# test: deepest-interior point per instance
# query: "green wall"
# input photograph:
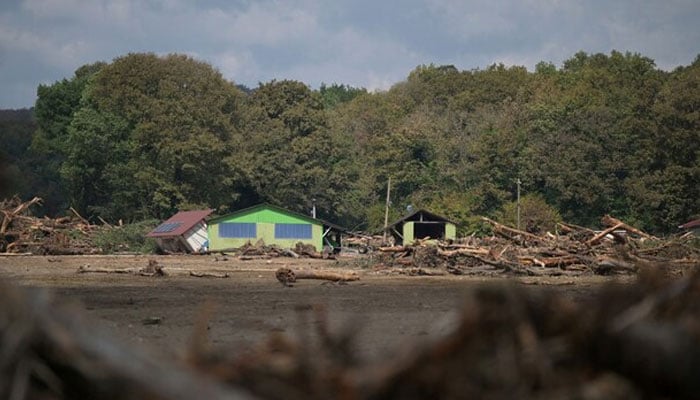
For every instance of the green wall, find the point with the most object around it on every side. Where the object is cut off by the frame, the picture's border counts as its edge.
(409, 232)
(450, 231)
(265, 220)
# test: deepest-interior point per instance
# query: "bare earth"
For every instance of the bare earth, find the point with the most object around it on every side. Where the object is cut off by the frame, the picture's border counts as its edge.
(386, 310)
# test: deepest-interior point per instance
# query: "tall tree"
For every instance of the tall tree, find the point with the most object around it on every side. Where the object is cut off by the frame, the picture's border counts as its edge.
(167, 131)
(55, 107)
(290, 158)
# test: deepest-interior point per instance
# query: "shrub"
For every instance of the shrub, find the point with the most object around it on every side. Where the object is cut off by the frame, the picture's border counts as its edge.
(129, 237)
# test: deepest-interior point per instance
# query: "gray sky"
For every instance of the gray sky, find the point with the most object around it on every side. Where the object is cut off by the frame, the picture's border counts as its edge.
(362, 43)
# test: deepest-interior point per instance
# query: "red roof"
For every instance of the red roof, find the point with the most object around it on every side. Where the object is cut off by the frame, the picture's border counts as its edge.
(692, 224)
(179, 223)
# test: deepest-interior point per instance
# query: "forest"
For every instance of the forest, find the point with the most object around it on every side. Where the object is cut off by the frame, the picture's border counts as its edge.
(146, 135)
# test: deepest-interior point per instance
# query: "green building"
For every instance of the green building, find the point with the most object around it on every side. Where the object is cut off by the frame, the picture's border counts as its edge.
(422, 224)
(272, 224)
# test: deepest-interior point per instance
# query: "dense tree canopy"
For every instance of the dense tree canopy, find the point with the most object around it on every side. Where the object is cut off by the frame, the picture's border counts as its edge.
(146, 135)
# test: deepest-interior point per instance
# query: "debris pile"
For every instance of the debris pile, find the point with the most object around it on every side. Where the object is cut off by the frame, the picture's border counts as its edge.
(618, 249)
(640, 340)
(262, 251)
(21, 233)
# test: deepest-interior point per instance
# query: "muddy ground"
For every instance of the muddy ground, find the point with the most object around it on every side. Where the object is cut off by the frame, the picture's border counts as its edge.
(386, 310)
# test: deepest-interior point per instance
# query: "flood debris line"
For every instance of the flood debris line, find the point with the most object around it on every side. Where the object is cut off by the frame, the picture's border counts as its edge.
(640, 340)
(23, 233)
(286, 276)
(618, 249)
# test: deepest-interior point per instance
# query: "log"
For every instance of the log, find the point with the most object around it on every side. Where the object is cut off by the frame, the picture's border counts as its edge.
(107, 224)
(568, 228)
(611, 221)
(512, 233)
(606, 265)
(286, 276)
(208, 275)
(419, 272)
(393, 249)
(595, 239)
(289, 253)
(254, 257)
(83, 269)
(80, 217)
(550, 262)
(464, 251)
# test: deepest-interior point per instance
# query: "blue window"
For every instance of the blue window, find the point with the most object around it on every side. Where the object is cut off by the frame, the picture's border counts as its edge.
(292, 231)
(237, 230)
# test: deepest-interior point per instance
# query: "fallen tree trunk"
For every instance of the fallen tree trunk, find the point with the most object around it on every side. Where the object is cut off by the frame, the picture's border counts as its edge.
(83, 269)
(512, 233)
(611, 221)
(595, 239)
(607, 265)
(394, 249)
(464, 251)
(208, 275)
(286, 276)
(249, 258)
(551, 262)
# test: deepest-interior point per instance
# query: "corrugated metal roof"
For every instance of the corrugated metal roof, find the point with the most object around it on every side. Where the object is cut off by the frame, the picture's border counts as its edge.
(179, 223)
(691, 224)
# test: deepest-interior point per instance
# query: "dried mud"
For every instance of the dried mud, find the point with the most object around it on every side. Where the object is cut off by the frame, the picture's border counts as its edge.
(385, 311)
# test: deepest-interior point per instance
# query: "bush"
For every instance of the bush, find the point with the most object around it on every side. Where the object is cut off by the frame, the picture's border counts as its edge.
(130, 237)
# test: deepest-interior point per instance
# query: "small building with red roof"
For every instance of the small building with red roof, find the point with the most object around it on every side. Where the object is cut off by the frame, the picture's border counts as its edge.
(184, 232)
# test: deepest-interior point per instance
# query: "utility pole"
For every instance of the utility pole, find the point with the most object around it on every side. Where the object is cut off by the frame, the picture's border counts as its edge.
(386, 209)
(518, 203)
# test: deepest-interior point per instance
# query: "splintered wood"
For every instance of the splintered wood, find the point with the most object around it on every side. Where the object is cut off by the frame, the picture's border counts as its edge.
(618, 249)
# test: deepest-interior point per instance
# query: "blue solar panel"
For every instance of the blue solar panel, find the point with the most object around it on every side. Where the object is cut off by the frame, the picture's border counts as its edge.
(167, 227)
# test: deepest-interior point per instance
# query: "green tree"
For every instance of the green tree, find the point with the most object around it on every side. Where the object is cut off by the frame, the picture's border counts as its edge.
(289, 158)
(16, 132)
(55, 107)
(335, 94)
(168, 134)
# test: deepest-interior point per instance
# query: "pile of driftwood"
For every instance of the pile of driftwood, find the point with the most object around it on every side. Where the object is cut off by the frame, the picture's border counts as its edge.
(627, 342)
(23, 233)
(619, 248)
(262, 251)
